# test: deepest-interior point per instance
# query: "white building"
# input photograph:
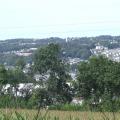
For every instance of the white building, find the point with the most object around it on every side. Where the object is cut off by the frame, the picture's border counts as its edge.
(113, 54)
(77, 101)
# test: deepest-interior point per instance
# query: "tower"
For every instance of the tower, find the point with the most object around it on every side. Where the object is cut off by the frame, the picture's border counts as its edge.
(66, 39)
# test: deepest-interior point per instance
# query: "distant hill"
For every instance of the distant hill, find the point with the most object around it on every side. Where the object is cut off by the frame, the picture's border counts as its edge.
(12, 49)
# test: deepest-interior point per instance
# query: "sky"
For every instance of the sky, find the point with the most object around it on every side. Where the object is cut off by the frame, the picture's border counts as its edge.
(58, 18)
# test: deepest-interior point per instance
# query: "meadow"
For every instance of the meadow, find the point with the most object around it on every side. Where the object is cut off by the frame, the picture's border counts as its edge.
(24, 114)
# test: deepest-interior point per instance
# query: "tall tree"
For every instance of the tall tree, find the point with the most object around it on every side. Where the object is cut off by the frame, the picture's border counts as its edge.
(98, 75)
(48, 63)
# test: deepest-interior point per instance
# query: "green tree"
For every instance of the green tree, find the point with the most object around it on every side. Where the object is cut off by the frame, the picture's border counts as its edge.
(48, 63)
(20, 63)
(15, 77)
(98, 75)
(3, 75)
(3, 78)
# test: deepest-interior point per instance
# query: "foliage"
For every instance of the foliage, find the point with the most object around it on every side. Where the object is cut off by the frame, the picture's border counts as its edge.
(98, 82)
(20, 63)
(3, 75)
(48, 62)
(98, 78)
(67, 107)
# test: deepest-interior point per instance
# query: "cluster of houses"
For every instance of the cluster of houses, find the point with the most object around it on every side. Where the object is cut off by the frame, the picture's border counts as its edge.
(23, 52)
(72, 61)
(113, 54)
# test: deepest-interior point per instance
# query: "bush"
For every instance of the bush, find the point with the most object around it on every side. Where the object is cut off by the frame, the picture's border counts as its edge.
(67, 107)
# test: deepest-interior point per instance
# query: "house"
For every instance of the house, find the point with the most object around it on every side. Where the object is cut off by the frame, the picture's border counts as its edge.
(77, 101)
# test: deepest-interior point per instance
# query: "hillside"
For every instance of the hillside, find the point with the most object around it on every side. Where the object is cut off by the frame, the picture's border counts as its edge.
(12, 49)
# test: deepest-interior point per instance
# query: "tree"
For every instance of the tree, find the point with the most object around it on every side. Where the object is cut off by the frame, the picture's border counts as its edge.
(98, 76)
(15, 77)
(48, 63)
(3, 77)
(20, 63)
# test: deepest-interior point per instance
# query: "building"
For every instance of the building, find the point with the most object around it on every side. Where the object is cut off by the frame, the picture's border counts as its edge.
(77, 101)
(113, 54)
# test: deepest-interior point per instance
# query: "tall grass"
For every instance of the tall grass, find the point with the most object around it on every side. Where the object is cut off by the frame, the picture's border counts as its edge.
(55, 115)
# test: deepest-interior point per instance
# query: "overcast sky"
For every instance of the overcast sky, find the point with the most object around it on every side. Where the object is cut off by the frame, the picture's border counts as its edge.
(62, 18)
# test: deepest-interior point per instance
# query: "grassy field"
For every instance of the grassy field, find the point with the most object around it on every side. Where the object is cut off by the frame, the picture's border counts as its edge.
(59, 115)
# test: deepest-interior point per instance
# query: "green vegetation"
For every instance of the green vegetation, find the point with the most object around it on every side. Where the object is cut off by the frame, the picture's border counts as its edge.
(68, 107)
(53, 81)
(48, 62)
(97, 83)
